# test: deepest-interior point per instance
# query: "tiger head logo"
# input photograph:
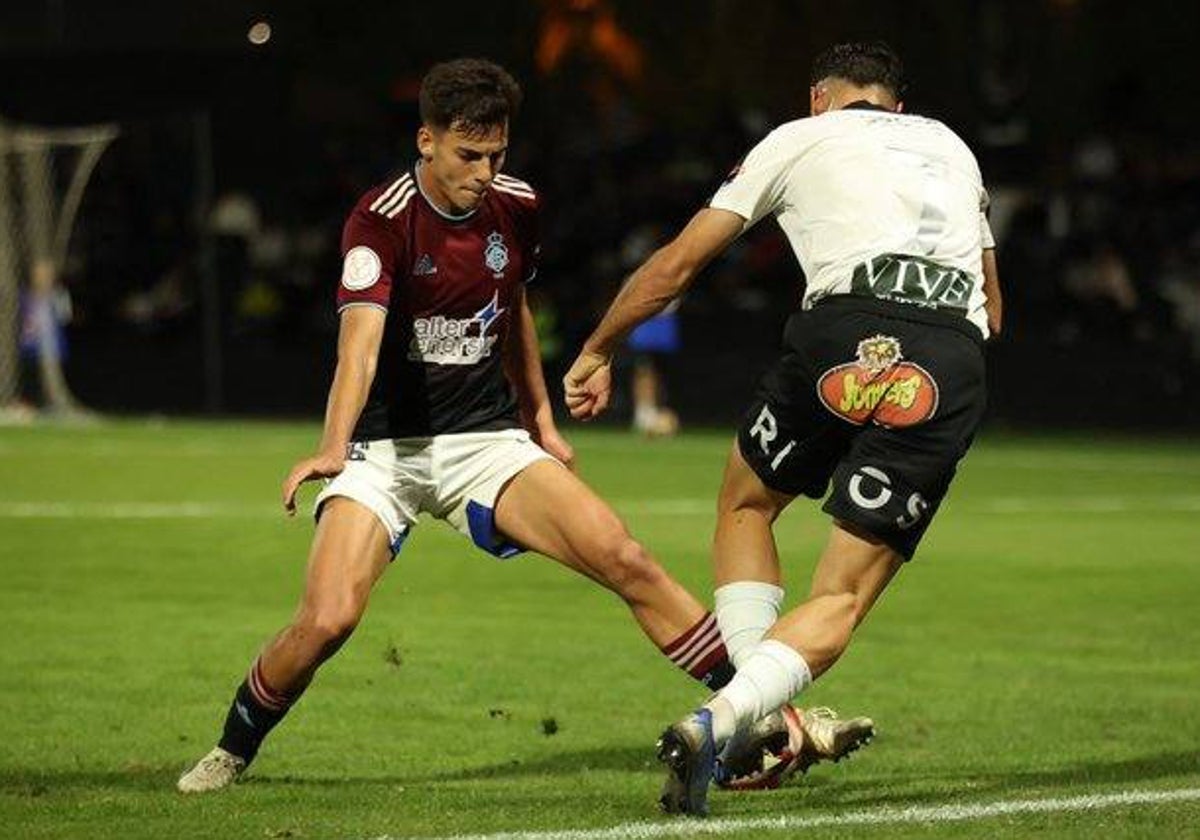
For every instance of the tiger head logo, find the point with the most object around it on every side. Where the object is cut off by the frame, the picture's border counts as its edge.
(879, 353)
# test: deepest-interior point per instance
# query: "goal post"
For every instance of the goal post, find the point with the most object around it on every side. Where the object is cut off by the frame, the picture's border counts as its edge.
(44, 173)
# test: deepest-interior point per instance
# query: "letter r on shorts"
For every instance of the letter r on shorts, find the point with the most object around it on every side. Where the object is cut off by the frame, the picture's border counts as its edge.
(765, 429)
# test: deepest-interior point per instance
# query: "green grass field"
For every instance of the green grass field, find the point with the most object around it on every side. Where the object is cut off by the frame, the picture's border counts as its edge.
(1045, 645)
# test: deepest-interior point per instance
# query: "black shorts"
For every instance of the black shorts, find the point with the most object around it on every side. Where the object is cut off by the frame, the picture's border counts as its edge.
(882, 398)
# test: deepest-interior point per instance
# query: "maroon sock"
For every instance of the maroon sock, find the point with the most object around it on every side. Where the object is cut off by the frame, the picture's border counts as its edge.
(701, 652)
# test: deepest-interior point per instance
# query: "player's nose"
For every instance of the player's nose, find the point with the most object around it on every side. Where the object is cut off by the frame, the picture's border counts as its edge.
(485, 172)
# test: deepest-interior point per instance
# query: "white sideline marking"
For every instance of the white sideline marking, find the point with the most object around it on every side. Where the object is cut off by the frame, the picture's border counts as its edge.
(1001, 505)
(876, 816)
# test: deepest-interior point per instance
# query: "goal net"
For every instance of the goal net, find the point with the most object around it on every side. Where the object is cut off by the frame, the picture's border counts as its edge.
(43, 175)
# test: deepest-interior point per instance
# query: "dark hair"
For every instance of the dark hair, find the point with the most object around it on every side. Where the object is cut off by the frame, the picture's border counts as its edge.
(863, 63)
(470, 93)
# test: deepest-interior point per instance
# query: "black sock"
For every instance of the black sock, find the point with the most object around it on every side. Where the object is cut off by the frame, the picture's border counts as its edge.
(720, 675)
(248, 723)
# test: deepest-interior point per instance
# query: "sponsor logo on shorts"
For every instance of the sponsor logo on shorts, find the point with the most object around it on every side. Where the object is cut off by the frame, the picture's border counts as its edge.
(455, 341)
(361, 269)
(880, 387)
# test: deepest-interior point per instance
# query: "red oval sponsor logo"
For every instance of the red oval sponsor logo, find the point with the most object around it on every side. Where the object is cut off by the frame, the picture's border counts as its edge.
(902, 395)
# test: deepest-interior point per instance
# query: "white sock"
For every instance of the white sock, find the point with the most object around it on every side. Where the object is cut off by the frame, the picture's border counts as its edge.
(745, 611)
(770, 676)
(645, 416)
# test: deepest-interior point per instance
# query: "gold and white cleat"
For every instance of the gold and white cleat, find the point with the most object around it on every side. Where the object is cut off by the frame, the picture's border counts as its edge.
(219, 769)
(790, 741)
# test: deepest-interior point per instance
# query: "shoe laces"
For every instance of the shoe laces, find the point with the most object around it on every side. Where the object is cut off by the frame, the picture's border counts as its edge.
(218, 761)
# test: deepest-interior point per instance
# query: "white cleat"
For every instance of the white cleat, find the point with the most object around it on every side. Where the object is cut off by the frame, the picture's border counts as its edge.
(219, 769)
(830, 738)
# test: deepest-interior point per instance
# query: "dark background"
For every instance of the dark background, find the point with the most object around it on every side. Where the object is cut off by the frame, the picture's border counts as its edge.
(204, 259)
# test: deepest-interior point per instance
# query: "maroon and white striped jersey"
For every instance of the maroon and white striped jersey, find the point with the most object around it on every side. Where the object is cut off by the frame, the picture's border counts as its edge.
(448, 285)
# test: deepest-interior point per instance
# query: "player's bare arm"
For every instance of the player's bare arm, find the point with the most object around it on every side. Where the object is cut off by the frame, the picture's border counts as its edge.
(994, 305)
(657, 282)
(523, 366)
(359, 337)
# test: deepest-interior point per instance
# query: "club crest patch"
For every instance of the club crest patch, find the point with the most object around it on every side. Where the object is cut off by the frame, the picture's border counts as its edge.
(495, 254)
(361, 269)
(879, 387)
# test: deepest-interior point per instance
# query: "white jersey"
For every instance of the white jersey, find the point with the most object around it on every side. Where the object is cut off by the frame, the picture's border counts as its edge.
(873, 203)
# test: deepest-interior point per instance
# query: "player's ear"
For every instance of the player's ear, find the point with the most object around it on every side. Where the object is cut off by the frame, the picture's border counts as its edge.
(425, 142)
(899, 106)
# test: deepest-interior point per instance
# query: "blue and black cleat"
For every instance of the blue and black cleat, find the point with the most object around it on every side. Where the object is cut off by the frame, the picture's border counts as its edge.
(688, 749)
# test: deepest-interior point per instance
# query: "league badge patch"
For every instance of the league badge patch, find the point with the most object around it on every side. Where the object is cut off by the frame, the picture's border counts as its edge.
(361, 269)
(880, 387)
(495, 255)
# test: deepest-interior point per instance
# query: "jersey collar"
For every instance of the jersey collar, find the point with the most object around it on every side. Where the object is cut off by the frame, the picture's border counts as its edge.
(864, 105)
(450, 217)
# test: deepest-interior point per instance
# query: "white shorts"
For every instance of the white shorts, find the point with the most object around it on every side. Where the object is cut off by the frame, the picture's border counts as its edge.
(454, 477)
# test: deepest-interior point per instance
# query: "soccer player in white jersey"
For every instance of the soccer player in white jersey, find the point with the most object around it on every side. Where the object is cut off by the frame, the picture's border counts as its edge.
(877, 394)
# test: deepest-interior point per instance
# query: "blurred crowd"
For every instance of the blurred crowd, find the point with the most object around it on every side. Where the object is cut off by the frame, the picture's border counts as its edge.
(1099, 248)
(1111, 249)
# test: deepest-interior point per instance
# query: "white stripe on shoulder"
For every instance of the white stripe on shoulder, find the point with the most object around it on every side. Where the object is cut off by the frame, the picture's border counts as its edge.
(390, 191)
(514, 191)
(398, 201)
(514, 182)
(396, 210)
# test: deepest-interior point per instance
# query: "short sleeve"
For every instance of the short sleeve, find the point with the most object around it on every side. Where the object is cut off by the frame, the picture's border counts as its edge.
(985, 230)
(755, 187)
(368, 260)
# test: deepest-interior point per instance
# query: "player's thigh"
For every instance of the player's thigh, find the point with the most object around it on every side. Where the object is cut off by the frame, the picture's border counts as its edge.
(350, 551)
(742, 488)
(855, 564)
(548, 509)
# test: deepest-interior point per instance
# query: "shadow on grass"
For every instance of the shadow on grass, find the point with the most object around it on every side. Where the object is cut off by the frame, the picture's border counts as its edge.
(845, 789)
(32, 784)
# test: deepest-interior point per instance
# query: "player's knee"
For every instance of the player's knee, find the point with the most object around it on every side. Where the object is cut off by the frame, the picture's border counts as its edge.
(327, 626)
(628, 566)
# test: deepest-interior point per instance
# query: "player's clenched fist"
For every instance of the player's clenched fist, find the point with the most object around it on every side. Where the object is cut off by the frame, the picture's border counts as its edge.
(321, 465)
(588, 385)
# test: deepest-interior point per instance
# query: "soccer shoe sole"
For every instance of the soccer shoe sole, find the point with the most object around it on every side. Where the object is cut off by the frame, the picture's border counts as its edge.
(746, 755)
(689, 761)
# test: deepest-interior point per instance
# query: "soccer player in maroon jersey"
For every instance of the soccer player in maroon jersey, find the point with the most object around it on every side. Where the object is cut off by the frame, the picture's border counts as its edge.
(438, 404)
